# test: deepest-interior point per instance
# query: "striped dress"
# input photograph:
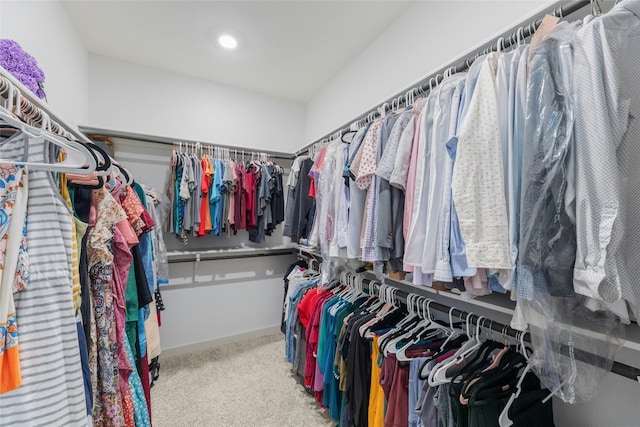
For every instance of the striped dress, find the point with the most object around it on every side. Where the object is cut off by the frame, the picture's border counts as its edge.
(52, 391)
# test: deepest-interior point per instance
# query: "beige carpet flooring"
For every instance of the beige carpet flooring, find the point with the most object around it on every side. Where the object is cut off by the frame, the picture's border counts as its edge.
(246, 384)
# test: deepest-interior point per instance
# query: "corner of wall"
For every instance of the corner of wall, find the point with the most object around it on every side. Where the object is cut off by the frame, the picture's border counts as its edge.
(197, 109)
(44, 29)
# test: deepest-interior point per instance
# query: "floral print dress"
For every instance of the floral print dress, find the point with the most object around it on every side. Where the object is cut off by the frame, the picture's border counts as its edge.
(103, 348)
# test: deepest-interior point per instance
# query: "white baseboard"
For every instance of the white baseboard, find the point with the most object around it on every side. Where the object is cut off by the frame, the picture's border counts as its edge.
(205, 345)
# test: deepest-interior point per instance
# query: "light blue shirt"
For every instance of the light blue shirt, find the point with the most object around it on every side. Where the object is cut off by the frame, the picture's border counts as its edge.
(290, 338)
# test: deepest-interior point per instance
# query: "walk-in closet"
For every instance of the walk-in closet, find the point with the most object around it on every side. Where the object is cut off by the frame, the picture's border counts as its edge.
(389, 213)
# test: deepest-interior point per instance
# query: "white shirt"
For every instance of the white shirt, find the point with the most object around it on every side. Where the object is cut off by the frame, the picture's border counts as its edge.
(607, 136)
(443, 264)
(414, 246)
(292, 180)
(438, 180)
(478, 177)
(340, 208)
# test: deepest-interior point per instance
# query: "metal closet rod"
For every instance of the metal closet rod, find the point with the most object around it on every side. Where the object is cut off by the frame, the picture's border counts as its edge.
(222, 255)
(509, 39)
(171, 141)
(618, 368)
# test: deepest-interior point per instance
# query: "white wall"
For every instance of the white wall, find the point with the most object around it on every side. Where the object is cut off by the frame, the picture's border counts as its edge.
(135, 98)
(423, 39)
(219, 299)
(43, 30)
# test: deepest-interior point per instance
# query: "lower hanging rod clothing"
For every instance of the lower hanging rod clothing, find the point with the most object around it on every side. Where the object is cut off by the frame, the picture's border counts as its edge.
(617, 368)
(369, 362)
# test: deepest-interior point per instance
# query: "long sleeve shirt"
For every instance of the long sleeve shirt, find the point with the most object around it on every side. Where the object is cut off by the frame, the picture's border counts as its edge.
(607, 94)
(478, 179)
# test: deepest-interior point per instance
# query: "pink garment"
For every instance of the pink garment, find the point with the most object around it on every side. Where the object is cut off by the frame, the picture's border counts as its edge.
(122, 260)
(411, 184)
(144, 378)
(231, 217)
(128, 233)
(477, 285)
(365, 165)
(446, 356)
(149, 223)
(365, 171)
(125, 228)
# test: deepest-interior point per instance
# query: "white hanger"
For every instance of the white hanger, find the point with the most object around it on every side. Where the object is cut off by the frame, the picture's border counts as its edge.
(519, 36)
(390, 346)
(438, 374)
(411, 299)
(450, 331)
(76, 161)
(503, 419)
(382, 292)
(407, 98)
(428, 324)
(446, 363)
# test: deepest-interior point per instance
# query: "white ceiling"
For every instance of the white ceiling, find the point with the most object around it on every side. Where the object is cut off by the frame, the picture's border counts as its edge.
(287, 49)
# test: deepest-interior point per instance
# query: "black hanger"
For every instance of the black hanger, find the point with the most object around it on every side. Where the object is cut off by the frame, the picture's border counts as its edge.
(8, 130)
(350, 132)
(452, 344)
(401, 331)
(492, 373)
(106, 159)
(479, 359)
(507, 369)
(100, 183)
(125, 173)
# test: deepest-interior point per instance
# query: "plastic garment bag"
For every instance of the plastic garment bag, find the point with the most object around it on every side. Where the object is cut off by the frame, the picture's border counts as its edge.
(574, 338)
(329, 208)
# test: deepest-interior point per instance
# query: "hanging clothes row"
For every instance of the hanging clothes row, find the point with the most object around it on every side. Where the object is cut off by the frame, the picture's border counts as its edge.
(372, 362)
(214, 194)
(81, 259)
(498, 180)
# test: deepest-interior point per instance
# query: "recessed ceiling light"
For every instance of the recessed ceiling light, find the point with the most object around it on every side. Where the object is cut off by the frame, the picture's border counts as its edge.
(228, 41)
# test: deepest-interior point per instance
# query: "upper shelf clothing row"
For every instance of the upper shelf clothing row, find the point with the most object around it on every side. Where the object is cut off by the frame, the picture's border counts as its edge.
(221, 196)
